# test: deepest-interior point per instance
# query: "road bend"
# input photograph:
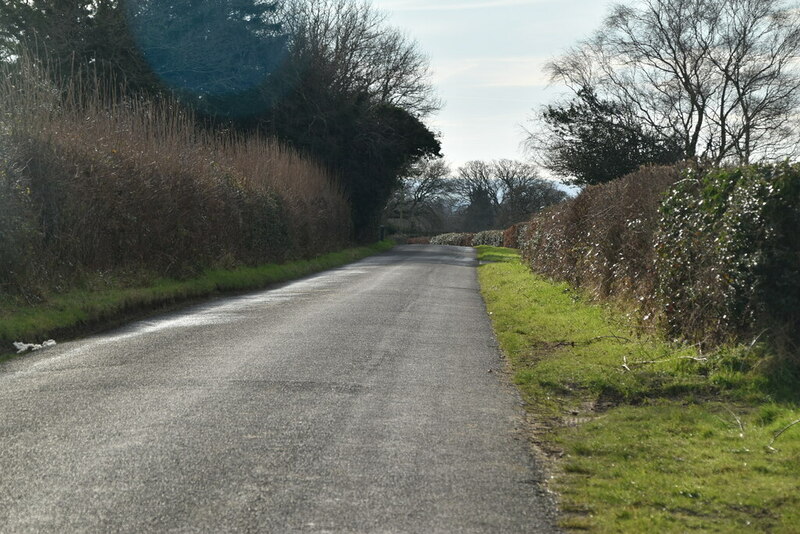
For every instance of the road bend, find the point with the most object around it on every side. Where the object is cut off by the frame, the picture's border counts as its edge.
(356, 400)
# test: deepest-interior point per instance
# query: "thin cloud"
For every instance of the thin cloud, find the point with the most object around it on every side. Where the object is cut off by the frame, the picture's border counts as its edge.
(524, 71)
(414, 5)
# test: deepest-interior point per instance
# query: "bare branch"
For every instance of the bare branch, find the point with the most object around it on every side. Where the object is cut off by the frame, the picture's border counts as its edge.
(722, 75)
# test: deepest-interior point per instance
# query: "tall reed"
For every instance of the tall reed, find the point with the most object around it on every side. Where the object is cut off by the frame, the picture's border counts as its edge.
(105, 181)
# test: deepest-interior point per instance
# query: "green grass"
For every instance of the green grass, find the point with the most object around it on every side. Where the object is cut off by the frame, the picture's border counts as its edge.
(674, 446)
(81, 311)
(496, 254)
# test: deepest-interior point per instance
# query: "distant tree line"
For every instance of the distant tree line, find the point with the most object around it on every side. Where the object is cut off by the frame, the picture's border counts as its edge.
(478, 196)
(710, 81)
(327, 76)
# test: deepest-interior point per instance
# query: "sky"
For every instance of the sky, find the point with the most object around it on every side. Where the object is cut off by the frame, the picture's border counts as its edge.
(487, 58)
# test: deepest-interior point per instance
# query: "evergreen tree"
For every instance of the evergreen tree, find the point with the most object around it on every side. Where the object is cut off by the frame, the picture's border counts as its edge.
(214, 54)
(479, 215)
(90, 39)
(593, 141)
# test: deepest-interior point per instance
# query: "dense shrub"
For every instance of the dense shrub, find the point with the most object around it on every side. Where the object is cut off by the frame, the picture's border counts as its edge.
(454, 239)
(493, 238)
(728, 254)
(17, 234)
(514, 235)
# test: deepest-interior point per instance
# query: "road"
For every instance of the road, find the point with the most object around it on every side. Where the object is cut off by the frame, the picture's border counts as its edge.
(356, 400)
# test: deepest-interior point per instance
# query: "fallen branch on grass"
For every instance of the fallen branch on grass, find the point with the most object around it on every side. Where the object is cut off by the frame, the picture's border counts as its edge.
(590, 341)
(609, 337)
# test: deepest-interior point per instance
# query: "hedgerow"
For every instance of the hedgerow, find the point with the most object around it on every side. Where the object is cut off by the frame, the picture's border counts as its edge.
(708, 256)
(602, 240)
(17, 224)
(492, 238)
(514, 235)
(454, 239)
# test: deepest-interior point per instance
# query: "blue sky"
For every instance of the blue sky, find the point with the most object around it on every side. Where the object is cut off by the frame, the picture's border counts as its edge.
(487, 58)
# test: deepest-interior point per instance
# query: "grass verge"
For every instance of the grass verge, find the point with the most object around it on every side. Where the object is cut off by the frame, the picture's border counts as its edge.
(82, 311)
(646, 436)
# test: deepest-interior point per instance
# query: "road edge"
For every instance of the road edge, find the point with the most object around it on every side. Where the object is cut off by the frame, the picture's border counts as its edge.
(66, 319)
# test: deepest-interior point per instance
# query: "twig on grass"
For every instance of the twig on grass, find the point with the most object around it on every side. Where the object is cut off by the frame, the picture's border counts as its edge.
(590, 341)
(739, 421)
(755, 340)
(625, 364)
(781, 431)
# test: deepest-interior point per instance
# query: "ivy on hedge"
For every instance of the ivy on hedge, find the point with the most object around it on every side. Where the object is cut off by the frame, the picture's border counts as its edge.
(728, 253)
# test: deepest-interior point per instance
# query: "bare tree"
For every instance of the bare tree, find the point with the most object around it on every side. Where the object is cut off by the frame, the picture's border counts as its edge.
(355, 52)
(427, 181)
(477, 177)
(523, 191)
(503, 192)
(718, 74)
(755, 55)
(416, 206)
(401, 76)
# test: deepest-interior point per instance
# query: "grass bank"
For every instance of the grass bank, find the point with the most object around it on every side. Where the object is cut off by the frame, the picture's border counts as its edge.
(89, 309)
(645, 435)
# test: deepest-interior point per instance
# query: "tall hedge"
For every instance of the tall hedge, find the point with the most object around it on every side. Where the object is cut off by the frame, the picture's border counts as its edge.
(602, 240)
(710, 256)
(94, 189)
(17, 223)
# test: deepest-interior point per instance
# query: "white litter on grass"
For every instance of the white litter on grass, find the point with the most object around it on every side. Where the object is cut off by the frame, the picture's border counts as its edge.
(24, 347)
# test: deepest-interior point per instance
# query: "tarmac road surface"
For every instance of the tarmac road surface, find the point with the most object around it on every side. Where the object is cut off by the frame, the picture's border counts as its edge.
(356, 400)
